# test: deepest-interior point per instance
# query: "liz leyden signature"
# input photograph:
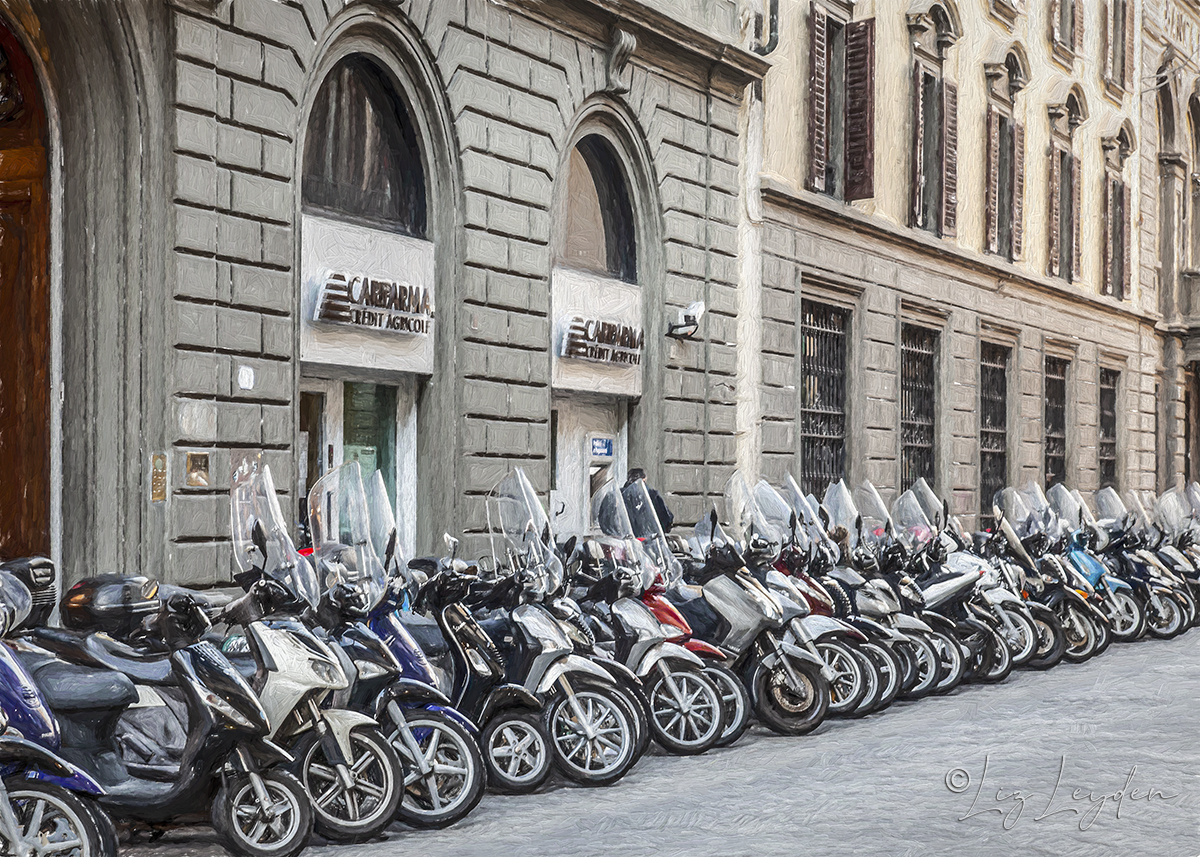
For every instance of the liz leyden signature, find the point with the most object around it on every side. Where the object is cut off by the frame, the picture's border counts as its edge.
(1082, 802)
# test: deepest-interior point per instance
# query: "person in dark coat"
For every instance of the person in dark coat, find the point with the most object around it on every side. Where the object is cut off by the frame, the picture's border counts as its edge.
(665, 516)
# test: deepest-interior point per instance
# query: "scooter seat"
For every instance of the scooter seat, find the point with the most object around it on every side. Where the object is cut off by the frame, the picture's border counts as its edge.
(153, 667)
(70, 687)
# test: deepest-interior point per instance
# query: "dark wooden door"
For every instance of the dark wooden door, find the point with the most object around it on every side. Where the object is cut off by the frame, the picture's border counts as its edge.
(25, 466)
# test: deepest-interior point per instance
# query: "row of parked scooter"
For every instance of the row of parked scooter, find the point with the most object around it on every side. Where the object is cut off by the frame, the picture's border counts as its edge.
(347, 688)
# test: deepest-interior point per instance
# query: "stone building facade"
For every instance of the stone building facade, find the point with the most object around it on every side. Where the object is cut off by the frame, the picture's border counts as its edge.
(222, 225)
(959, 201)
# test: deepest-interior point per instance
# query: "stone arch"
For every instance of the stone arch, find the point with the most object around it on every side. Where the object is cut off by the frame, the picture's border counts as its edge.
(393, 43)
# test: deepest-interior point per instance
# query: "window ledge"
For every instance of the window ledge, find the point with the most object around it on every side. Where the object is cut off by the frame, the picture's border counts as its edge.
(1062, 53)
(782, 193)
(1114, 90)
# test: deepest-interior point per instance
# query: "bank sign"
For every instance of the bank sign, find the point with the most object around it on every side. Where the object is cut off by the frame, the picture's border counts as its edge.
(367, 298)
(599, 335)
(375, 304)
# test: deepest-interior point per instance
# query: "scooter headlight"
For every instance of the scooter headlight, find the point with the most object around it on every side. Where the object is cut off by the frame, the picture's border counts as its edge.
(325, 671)
(219, 705)
(478, 664)
(368, 670)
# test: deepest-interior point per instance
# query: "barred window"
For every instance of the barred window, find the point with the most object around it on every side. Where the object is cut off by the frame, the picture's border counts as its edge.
(823, 395)
(993, 427)
(1056, 419)
(1110, 379)
(918, 399)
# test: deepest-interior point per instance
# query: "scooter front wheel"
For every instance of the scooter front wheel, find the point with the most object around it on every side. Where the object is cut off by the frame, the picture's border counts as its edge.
(443, 775)
(364, 808)
(54, 821)
(685, 709)
(788, 709)
(247, 826)
(734, 700)
(1051, 641)
(591, 738)
(516, 751)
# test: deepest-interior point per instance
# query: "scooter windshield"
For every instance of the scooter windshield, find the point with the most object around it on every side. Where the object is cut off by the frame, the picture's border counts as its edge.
(1173, 512)
(808, 516)
(746, 520)
(1066, 506)
(1193, 496)
(514, 509)
(648, 528)
(341, 532)
(912, 526)
(253, 499)
(1014, 509)
(780, 515)
(609, 514)
(708, 533)
(874, 514)
(383, 524)
(930, 504)
(1035, 498)
(1109, 505)
(842, 512)
(624, 554)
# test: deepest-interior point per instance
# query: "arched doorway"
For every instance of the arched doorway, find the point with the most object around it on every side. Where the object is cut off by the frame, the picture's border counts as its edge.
(25, 465)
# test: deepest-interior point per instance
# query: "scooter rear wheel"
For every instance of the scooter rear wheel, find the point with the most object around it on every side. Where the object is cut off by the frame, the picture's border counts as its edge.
(735, 701)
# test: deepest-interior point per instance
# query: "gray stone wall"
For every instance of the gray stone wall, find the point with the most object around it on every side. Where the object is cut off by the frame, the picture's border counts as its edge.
(511, 80)
(888, 278)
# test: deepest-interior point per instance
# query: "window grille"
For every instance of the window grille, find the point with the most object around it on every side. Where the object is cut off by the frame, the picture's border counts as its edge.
(918, 404)
(823, 397)
(1056, 420)
(1109, 380)
(993, 427)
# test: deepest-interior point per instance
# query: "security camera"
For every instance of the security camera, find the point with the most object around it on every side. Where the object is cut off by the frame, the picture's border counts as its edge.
(689, 321)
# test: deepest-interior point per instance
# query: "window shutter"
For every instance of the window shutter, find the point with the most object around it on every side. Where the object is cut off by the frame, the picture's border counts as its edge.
(818, 86)
(1018, 185)
(993, 180)
(949, 158)
(1126, 240)
(1106, 34)
(1055, 185)
(1076, 244)
(1076, 25)
(1130, 35)
(1107, 239)
(1056, 19)
(860, 109)
(918, 153)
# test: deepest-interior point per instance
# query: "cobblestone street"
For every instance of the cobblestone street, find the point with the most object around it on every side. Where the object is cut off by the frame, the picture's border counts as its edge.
(882, 786)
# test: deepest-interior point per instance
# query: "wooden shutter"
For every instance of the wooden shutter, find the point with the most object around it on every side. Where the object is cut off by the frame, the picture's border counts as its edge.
(992, 203)
(818, 96)
(949, 158)
(1106, 35)
(1076, 207)
(1126, 240)
(1076, 25)
(1107, 236)
(1018, 186)
(1055, 185)
(1130, 36)
(860, 109)
(918, 153)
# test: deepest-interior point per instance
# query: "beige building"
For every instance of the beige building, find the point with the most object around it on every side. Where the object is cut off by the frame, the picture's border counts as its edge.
(961, 266)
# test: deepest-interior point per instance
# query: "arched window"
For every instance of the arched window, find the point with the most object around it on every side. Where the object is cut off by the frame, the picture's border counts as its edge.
(599, 233)
(935, 122)
(1005, 157)
(1065, 189)
(361, 159)
(1119, 37)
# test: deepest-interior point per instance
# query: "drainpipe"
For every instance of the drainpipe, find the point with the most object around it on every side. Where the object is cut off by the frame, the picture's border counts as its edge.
(773, 25)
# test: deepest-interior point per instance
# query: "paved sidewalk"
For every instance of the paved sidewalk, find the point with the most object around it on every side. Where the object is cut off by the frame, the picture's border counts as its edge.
(906, 782)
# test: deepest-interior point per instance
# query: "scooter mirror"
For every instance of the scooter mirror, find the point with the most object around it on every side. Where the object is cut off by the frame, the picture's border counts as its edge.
(712, 520)
(258, 535)
(451, 544)
(996, 515)
(858, 528)
(569, 547)
(945, 515)
(390, 552)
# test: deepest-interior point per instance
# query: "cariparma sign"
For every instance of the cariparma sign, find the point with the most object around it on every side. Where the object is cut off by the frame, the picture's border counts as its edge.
(375, 304)
(601, 341)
